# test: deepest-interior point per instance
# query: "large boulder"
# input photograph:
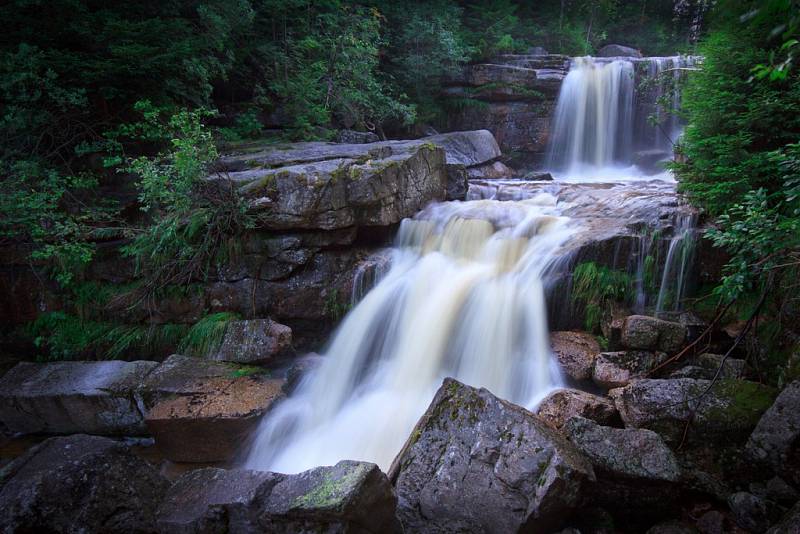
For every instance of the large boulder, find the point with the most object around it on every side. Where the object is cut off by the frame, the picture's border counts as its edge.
(79, 484)
(627, 453)
(637, 473)
(348, 497)
(74, 397)
(775, 441)
(254, 341)
(788, 523)
(617, 369)
(576, 353)
(725, 411)
(475, 463)
(615, 50)
(648, 333)
(202, 411)
(560, 405)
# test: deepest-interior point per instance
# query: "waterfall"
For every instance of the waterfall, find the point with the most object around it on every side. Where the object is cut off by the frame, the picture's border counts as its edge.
(680, 256)
(464, 297)
(611, 114)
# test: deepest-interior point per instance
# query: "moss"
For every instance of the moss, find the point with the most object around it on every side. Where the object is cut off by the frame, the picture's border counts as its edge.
(330, 491)
(746, 401)
(249, 370)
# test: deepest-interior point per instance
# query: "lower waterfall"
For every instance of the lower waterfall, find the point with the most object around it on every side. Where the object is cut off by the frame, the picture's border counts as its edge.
(464, 297)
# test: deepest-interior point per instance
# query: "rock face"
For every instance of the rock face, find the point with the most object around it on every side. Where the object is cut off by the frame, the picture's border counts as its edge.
(648, 333)
(561, 405)
(328, 186)
(776, 439)
(74, 397)
(475, 463)
(517, 95)
(615, 50)
(347, 497)
(617, 369)
(624, 453)
(206, 414)
(80, 484)
(576, 353)
(726, 411)
(256, 341)
(354, 137)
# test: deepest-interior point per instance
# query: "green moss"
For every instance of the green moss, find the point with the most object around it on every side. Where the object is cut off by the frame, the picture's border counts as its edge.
(250, 370)
(747, 401)
(330, 491)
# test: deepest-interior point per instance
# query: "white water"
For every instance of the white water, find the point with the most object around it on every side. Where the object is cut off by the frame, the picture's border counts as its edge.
(608, 118)
(464, 295)
(464, 298)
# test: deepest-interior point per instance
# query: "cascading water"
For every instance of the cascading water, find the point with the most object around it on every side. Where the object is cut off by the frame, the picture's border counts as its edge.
(463, 298)
(611, 114)
(680, 255)
(465, 292)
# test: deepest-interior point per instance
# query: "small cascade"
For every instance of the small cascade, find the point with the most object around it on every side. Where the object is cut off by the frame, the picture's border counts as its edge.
(678, 263)
(611, 114)
(464, 297)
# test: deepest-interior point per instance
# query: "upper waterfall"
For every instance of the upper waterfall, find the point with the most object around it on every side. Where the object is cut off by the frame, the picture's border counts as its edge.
(615, 112)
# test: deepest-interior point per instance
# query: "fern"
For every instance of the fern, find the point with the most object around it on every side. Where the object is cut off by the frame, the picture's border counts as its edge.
(595, 287)
(205, 336)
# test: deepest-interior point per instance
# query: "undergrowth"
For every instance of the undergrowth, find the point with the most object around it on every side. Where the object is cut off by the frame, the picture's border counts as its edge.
(595, 287)
(205, 336)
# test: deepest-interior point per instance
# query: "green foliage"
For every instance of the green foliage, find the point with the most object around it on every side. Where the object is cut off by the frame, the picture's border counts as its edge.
(205, 336)
(61, 336)
(191, 216)
(595, 287)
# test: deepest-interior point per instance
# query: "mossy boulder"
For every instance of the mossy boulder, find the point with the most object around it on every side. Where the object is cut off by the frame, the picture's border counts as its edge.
(725, 411)
(618, 369)
(648, 333)
(348, 497)
(476, 463)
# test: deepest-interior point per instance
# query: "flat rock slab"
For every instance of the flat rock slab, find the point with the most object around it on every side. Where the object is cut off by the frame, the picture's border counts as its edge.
(79, 484)
(475, 463)
(348, 497)
(74, 397)
(576, 352)
(776, 439)
(559, 406)
(723, 412)
(254, 341)
(210, 418)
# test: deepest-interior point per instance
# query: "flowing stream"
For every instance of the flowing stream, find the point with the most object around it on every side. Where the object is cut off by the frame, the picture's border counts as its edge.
(465, 294)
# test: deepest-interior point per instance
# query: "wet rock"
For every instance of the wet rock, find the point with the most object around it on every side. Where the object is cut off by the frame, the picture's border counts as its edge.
(255, 341)
(648, 333)
(475, 463)
(457, 182)
(536, 51)
(79, 484)
(576, 353)
(74, 397)
(725, 411)
(615, 50)
(749, 512)
(299, 369)
(611, 325)
(207, 415)
(348, 497)
(775, 441)
(623, 453)
(471, 148)
(617, 369)
(651, 161)
(354, 137)
(490, 171)
(563, 404)
(539, 176)
(779, 491)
